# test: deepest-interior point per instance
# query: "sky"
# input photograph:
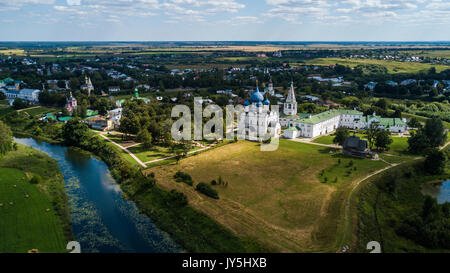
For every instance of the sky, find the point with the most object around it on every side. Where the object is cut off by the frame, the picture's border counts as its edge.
(224, 20)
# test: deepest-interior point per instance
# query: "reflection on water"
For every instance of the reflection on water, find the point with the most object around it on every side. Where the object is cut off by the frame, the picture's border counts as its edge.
(440, 191)
(102, 220)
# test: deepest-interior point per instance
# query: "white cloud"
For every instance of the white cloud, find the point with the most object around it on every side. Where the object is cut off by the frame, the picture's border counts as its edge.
(73, 2)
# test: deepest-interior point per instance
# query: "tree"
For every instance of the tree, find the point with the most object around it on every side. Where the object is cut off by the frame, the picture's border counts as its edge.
(382, 139)
(371, 134)
(6, 140)
(414, 123)
(435, 162)
(65, 112)
(19, 104)
(145, 137)
(432, 135)
(418, 143)
(435, 131)
(382, 103)
(102, 105)
(342, 134)
(75, 133)
(397, 114)
(2, 96)
(129, 125)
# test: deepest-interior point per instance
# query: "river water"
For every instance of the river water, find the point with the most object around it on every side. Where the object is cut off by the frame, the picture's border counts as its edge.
(102, 220)
(440, 192)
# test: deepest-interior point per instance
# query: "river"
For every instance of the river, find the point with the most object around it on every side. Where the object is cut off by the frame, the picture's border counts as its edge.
(102, 220)
(439, 191)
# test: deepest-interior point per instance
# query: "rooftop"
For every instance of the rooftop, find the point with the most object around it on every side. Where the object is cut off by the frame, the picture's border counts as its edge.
(328, 115)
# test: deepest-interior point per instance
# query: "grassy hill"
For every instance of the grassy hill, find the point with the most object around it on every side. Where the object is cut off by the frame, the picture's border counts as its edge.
(33, 216)
(280, 198)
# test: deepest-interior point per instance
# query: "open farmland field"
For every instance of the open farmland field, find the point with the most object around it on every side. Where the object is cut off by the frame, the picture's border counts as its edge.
(392, 66)
(276, 197)
(431, 53)
(17, 52)
(31, 222)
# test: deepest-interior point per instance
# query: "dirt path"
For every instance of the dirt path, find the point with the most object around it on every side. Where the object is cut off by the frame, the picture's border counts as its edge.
(347, 205)
(21, 110)
(310, 141)
(126, 150)
(170, 157)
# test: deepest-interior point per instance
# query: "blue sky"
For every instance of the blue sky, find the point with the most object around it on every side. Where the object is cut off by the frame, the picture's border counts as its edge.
(219, 20)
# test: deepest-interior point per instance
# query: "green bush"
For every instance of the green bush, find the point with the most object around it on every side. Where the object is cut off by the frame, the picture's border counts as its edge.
(207, 190)
(177, 198)
(36, 179)
(183, 177)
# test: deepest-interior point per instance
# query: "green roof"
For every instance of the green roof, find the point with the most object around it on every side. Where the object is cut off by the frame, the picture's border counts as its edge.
(64, 118)
(350, 112)
(387, 122)
(328, 115)
(91, 113)
(7, 80)
(291, 129)
(298, 116)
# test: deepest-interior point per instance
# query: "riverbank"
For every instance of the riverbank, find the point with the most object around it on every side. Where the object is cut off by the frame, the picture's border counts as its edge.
(392, 210)
(191, 229)
(34, 215)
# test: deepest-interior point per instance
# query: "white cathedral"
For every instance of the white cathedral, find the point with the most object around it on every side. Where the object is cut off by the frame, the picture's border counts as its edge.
(258, 120)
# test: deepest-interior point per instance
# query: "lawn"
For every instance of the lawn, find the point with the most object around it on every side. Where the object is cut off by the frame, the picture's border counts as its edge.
(398, 147)
(154, 153)
(277, 197)
(328, 140)
(39, 110)
(392, 66)
(40, 221)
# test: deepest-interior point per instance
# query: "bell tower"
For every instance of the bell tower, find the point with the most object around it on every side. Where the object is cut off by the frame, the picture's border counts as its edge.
(290, 106)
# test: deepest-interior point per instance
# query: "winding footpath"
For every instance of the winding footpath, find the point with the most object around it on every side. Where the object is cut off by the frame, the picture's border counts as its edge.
(125, 150)
(145, 164)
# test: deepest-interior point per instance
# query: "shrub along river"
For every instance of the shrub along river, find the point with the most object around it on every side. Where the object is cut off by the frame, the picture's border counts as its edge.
(102, 220)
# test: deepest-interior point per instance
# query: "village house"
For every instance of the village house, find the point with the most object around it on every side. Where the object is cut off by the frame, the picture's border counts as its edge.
(354, 146)
(113, 89)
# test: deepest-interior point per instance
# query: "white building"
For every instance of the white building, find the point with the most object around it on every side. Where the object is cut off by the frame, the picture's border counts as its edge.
(113, 89)
(30, 95)
(327, 122)
(87, 86)
(257, 119)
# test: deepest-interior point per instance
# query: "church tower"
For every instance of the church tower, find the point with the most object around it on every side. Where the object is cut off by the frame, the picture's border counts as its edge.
(290, 106)
(271, 91)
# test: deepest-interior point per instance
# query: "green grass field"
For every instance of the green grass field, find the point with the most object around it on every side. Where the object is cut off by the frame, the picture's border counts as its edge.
(154, 153)
(380, 213)
(392, 66)
(40, 221)
(277, 197)
(398, 147)
(39, 110)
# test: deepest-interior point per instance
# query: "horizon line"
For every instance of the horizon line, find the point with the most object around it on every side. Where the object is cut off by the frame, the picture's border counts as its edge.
(224, 41)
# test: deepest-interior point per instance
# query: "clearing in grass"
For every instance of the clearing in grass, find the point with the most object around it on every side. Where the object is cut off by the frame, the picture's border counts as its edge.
(278, 197)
